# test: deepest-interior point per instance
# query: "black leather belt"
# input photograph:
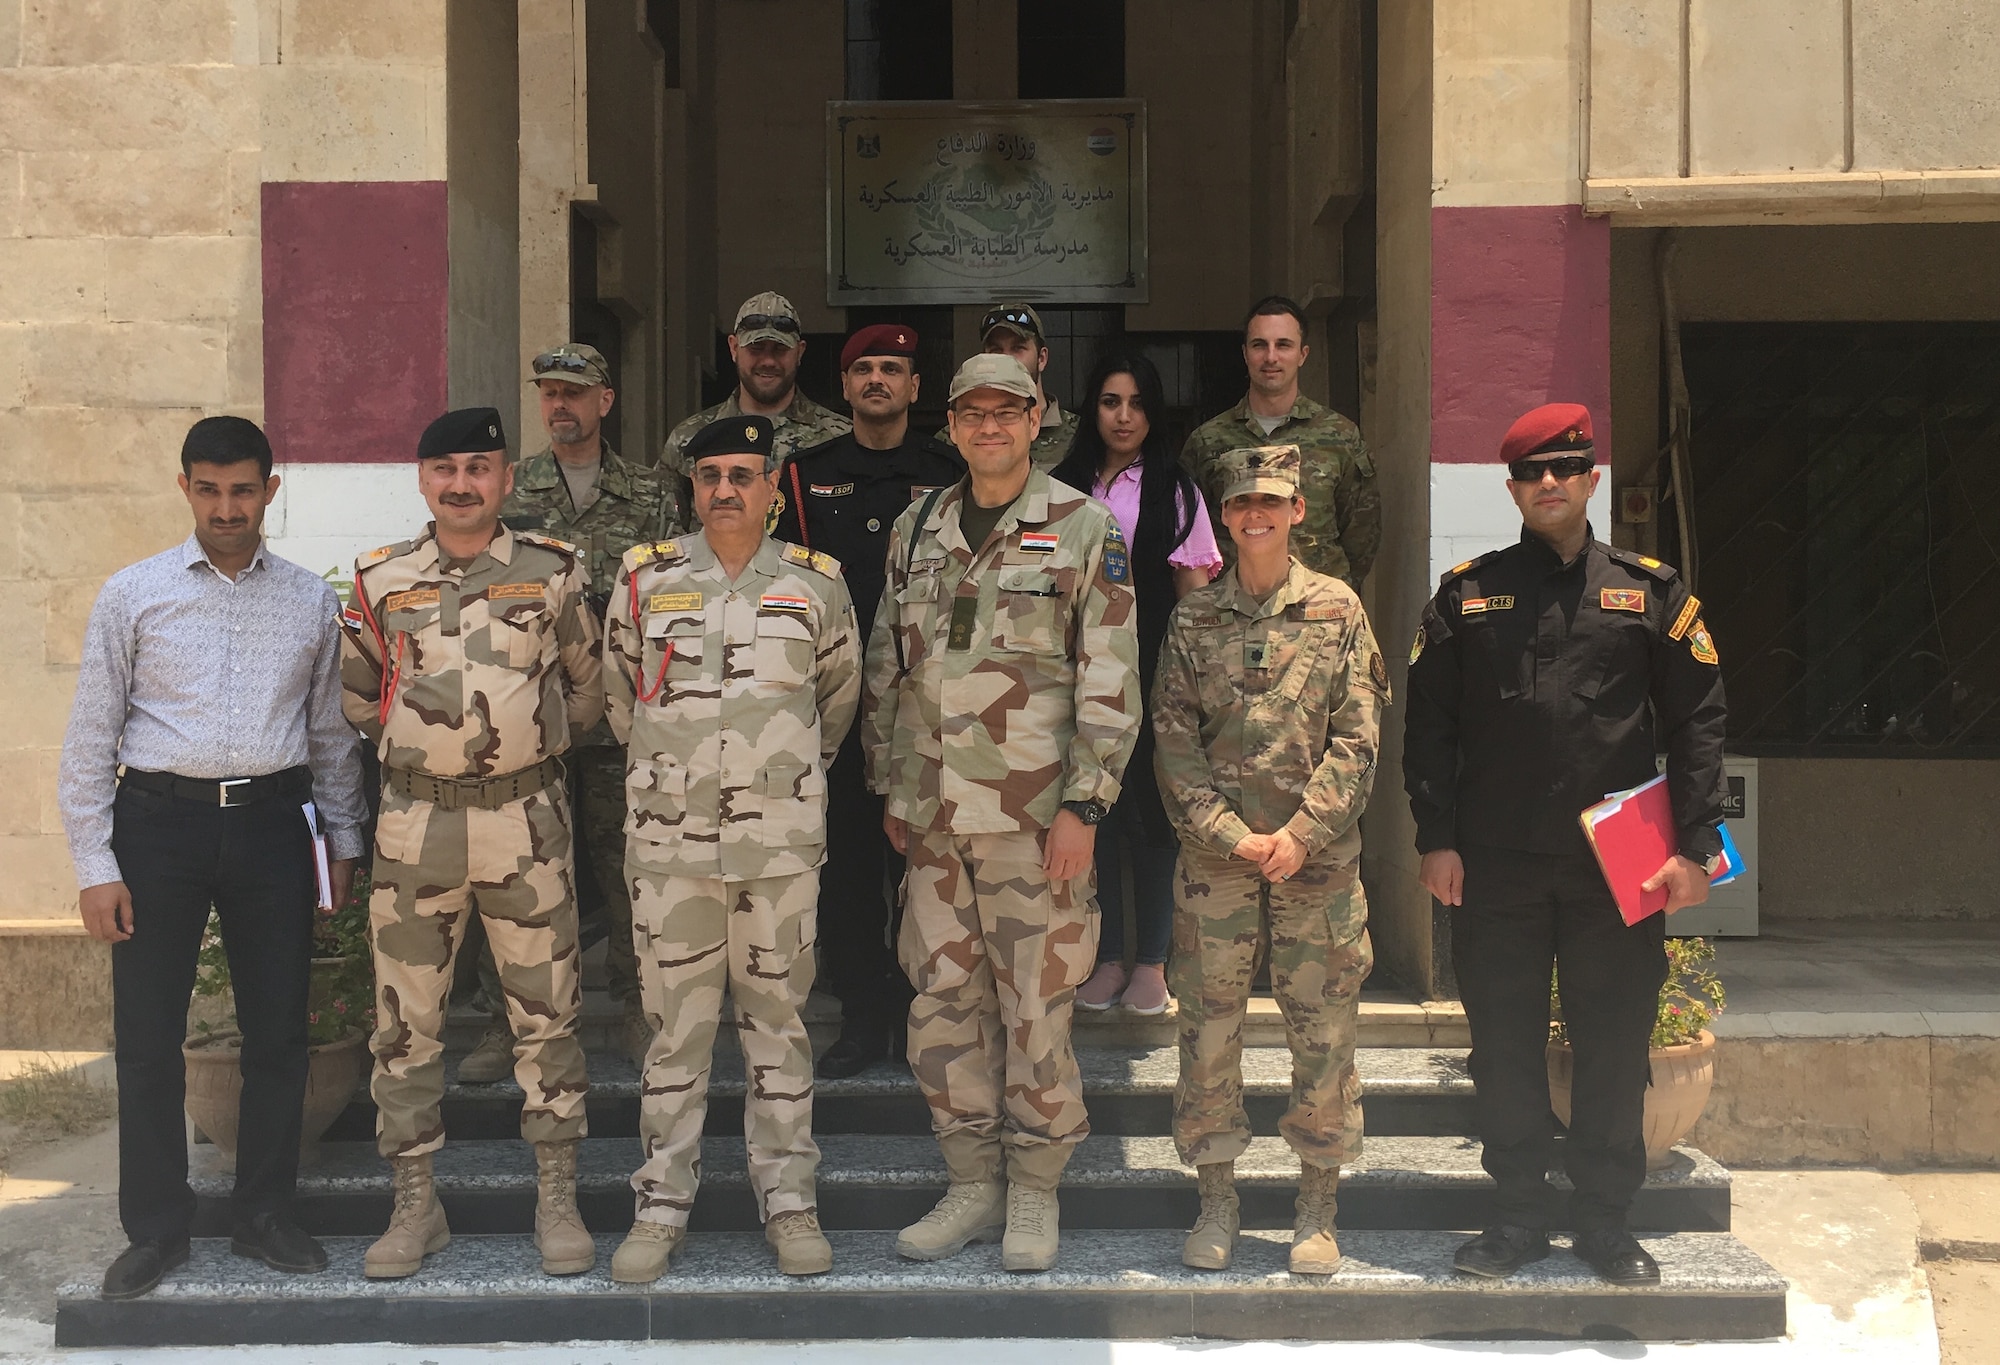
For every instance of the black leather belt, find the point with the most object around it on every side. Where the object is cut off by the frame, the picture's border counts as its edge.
(225, 792)
(481, 793)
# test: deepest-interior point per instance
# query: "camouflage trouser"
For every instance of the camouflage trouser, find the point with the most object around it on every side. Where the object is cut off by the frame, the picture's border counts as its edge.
(433, 869)
(693, 934)
(1315, 926)
(599, 773)
(996, 953)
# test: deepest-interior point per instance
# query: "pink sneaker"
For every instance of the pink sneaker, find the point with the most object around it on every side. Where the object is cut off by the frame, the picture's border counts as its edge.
(1106, 984)
(1147, 993)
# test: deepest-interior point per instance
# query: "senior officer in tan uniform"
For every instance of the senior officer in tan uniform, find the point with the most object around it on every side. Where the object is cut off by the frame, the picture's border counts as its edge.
(1267, 710)
(470, 658)
(733, 671)
(1002, 705)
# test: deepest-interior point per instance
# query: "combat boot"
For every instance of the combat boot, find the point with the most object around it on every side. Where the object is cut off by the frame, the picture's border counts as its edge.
(1212, 1243)
(635, 1033)
(492, 1060)
(560, 1235)
(1314, 1250)
(416, 1223)
(646, 1252)
(802, 1248)
(967, 1213)
(1032, 1229)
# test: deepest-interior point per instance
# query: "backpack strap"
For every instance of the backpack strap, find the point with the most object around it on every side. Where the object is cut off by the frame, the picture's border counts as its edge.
(909, 563)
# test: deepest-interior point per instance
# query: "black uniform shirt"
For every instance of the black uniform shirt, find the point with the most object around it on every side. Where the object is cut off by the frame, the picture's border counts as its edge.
(1536, 688)
(842, 498)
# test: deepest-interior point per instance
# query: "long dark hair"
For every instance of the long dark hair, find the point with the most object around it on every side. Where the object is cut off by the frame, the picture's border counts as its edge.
(1167, 497)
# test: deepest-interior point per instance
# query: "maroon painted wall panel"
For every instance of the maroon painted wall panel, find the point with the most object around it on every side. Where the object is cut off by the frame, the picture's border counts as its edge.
(356, 304)
(1520, 316)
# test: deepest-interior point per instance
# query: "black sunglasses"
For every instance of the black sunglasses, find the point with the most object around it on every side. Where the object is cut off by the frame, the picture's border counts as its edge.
(1562, 466)
(755, 322)
(557, 360)
(1013, 317)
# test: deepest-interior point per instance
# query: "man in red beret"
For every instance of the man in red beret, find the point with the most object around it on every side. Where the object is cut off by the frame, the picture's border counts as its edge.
(842, 497)
(1539, 679)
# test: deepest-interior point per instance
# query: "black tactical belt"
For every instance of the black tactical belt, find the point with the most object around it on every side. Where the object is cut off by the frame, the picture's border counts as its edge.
(475, 793)
(225, 792)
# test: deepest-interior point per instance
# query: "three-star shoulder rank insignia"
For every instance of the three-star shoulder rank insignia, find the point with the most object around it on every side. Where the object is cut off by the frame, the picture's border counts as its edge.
(654, 552)
(819, 561)
(825, 563)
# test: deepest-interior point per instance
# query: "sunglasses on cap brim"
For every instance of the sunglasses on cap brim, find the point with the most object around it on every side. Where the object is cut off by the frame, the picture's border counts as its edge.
(757, 322)
(557, 360)
(1009, 317)
(1562, 466)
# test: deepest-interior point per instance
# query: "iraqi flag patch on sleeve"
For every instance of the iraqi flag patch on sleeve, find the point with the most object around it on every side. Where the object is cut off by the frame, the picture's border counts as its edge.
(1041, 542)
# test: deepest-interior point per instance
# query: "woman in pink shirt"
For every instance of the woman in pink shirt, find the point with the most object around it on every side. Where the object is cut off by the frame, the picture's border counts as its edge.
(1127, 464)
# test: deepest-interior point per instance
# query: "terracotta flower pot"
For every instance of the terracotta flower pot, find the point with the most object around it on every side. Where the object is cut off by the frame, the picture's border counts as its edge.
(1682, 1077)
(215, 1085)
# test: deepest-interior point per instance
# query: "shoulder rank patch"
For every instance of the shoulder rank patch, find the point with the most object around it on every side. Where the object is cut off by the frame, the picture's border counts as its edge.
(654, 552)
(546, 541)
(1622, 599)
(380, 553)
(500, 591)
(1473, 563)
(1701, 646)
(785, 601)
(1473, 606)
(796, 554)
(1650, 562)
(824, 563)
(1686, 618)
(663, 602)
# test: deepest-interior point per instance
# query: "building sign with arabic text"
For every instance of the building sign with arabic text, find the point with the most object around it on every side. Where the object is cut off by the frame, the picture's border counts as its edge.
(933, 203)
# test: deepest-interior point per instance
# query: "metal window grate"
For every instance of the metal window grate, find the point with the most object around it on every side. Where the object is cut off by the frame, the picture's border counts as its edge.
(1847, 508)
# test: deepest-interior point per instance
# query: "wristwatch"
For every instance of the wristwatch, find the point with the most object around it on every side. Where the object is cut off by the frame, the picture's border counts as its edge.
(1711, 864)
(1090, 812)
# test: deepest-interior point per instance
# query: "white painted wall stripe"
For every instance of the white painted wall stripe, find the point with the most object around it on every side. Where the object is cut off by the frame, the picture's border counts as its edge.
(1471, 513)
(326, 514)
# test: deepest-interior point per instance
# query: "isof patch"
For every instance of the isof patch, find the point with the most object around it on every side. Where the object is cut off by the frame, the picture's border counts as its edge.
(674, 601)
(779, 601)
(1622, 599)
(1041, 542)
(414, 597)
(829, 490)
(1472, 606)
(500, 591)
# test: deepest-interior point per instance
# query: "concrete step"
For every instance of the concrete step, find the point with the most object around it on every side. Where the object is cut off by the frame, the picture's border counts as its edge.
(890, 1181)
(1109, 1284)
(1408, 1091)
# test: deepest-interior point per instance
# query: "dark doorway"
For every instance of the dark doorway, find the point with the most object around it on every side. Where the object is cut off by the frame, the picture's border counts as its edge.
(898, 50)
(1071, 49)
(591, 321)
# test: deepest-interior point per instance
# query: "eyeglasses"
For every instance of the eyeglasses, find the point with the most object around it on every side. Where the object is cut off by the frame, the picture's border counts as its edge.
(708, 476)
(1562, 466)
(561, 360)
(976, 418)
(1012, 317)
(757, 322)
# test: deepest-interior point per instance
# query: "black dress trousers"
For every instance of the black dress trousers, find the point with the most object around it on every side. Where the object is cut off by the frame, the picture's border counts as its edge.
(1523, 913)
(857, 898)
(254, 864)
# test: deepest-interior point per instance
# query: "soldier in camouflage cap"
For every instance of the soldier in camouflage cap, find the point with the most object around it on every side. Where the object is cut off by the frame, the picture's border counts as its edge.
(1343, 525)
(581, 491)
(1002, 705)
(1267, 708)
(766, 344)
(471, 659)
(733, 672)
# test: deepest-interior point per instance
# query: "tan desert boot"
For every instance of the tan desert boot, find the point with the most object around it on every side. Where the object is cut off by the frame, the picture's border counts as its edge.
(1212, 1243)
(416, 1223)
(967, 1213)
(1314, 1250)
(635, 1034)
(646, 1252)
(802, 1248)
(1032, 1232)
(560, 1235)
(492, 1060)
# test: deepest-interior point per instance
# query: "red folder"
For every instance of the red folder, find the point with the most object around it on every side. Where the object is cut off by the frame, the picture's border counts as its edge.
(1632, 833)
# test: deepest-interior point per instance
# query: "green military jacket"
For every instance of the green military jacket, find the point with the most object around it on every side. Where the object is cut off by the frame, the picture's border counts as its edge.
(633, 506)
(1022, 682)
(1267, 715)
(1052, 442)
(802, 425)
(472, 672)
(733, 697)
(1343, 527)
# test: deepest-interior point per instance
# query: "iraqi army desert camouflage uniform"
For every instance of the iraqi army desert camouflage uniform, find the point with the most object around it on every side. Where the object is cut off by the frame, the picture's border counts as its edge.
(1343, 526)
(490, 668)
(733, 698)
(802, 425)
(1266, 717)
(1032, 702)
(1052, 441)
(633, 506)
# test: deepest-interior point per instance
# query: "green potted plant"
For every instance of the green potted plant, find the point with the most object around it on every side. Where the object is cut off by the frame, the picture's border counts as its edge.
(340, 1015)
(1682, 1053)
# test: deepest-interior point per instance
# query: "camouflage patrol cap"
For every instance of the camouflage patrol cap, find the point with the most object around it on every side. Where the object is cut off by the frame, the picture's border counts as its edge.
(572, 363)
(1260, 469)
(992, 370)
(768, 316)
